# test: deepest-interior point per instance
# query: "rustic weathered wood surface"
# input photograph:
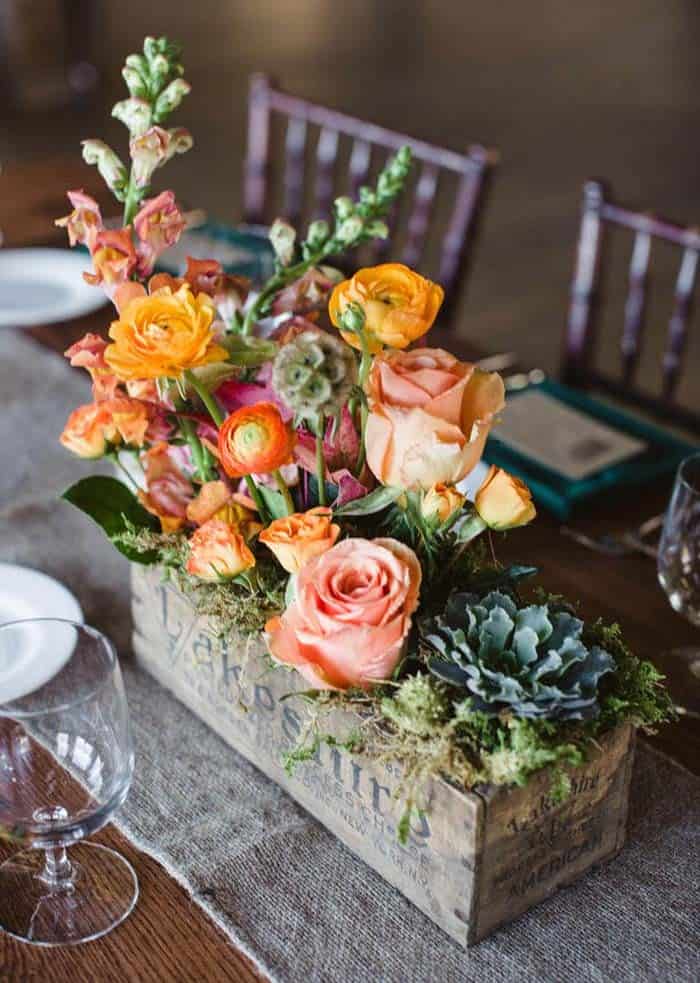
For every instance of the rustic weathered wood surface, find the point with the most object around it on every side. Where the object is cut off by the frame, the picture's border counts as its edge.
(471, 862)
(171, 938)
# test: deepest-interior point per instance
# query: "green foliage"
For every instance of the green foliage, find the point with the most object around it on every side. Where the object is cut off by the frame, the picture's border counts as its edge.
(377, 500)
(635, 691)
(418, 705)
(531, 660)
(117, 511)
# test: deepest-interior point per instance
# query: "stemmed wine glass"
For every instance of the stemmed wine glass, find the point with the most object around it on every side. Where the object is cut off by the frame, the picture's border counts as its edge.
(66, 762)
(679, 560)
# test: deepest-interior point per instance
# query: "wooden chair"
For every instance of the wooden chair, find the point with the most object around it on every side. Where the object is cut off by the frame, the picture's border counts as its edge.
(472, 170)
(578, 366)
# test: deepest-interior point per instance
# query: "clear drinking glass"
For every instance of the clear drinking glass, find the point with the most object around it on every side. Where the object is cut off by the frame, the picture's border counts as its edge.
(679, 556)
(66, 762)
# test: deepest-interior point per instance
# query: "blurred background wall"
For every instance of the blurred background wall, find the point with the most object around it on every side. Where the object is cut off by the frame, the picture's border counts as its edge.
(564, 90)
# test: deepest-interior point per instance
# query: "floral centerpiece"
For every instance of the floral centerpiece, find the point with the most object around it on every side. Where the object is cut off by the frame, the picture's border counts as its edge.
(299, 450)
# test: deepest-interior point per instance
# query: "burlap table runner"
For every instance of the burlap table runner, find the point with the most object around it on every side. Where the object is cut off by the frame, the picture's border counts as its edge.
(276, 882)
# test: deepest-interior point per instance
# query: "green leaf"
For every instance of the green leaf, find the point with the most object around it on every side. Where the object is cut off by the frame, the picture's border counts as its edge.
(274, 501)
(113, 507)
(248, 352)
(380, 498)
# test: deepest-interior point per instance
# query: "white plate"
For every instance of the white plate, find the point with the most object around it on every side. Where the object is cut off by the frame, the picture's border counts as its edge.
(41, 286)
(26, 593)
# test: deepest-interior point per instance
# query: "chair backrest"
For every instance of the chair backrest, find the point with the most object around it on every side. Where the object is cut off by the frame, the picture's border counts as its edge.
(471, 168)
(578, 366)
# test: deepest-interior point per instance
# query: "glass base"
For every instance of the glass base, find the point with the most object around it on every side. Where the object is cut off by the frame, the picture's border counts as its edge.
(685, 686)
(100, 893)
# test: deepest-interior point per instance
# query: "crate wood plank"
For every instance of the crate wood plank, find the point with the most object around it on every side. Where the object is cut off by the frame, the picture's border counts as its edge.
(473, 861)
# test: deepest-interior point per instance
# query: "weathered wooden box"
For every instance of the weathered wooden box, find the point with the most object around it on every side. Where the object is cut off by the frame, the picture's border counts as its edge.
(475, 861)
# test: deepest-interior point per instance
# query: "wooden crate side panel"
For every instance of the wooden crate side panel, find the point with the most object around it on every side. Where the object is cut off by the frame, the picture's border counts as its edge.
(239, 696)
(533, 846)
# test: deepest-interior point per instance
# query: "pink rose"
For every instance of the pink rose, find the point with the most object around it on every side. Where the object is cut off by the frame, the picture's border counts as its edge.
(429, 417)
(348, 623)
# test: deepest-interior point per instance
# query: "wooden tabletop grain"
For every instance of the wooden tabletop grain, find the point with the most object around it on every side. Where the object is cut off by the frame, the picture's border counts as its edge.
(169, 937)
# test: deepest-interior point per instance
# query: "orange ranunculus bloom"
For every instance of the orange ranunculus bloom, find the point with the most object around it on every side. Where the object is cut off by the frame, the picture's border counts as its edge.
(351, 615)
(218, 552)
(296, 539)
(399, 305)
(88, 431)
(442, 501)
(163, 334)
(255, 440)
(429, 417)
(215, 500)
(504, 501)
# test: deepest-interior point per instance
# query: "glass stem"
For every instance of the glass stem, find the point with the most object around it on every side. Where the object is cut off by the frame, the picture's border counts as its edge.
(58, 870)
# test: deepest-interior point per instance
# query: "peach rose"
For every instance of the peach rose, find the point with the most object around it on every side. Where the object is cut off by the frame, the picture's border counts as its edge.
(88, 431)
(352, 613)
(429, 417)
(218, 552)
(441, 502)
(296, 539)
(399, 305)
(162, 335)
(504, 501)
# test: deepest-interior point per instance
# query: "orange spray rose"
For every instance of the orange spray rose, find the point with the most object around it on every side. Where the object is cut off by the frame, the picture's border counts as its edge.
(296, 539)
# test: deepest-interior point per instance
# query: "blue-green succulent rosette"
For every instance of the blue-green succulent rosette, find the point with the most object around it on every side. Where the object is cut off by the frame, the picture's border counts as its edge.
(529, 660)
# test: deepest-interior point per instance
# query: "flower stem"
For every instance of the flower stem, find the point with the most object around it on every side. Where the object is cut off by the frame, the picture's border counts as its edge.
(207, 398)
(365, 366)
(256, 496)
(320, 461)
(284, 489)
(118, 463)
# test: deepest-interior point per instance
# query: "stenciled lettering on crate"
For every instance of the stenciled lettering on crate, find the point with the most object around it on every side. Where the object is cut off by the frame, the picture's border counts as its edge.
(473, 860)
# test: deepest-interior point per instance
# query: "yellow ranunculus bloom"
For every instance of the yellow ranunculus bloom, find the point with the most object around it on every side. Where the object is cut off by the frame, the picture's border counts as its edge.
(399, 305)
(163, 334)
(503, 501)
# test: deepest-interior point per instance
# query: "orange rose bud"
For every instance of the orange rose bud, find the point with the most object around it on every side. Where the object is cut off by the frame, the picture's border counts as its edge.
(441, 501)
(255, 440)
(503, 501)
(399, 305)
(296, 539)
(218, 552)
(88, 431)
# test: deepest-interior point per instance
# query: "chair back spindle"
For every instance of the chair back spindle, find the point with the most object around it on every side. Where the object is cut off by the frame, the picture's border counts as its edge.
(599, 213)
(472, 170)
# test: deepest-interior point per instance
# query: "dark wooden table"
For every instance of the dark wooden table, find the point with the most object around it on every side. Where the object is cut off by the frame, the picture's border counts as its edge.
(168, 937)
